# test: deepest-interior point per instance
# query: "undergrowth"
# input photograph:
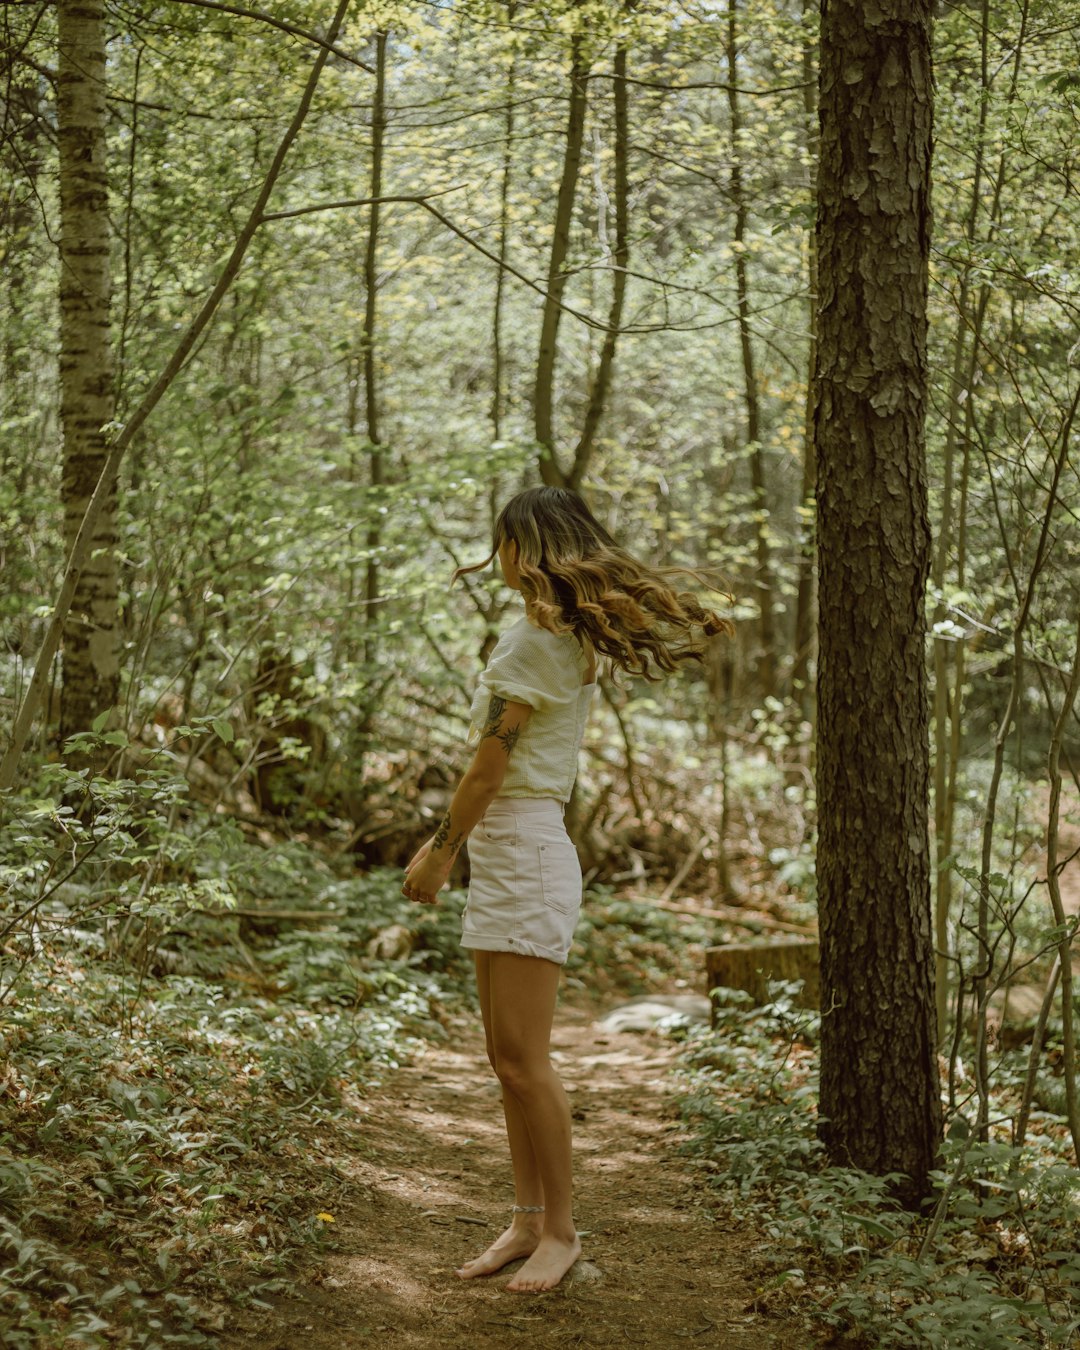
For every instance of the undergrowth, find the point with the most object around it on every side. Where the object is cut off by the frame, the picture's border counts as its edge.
(992, 1262)
(164, 1138)
(191, 1014)
(626, 945)
(173, 1072)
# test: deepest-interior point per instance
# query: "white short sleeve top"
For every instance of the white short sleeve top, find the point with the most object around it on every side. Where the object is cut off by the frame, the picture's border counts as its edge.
(545, 670)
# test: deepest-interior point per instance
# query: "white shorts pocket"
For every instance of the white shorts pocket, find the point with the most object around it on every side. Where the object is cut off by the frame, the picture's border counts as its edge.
(560, 876)
(499, 830)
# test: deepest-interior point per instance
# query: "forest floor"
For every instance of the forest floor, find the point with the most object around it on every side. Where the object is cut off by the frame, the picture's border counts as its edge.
(430, 1188)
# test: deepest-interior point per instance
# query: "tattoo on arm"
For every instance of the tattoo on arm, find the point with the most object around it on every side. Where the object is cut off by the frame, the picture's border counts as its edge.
(493, 725)
(442, 834)
(496, 708)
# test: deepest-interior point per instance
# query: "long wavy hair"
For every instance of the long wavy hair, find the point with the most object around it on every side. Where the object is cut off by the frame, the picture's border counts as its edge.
(576, 579)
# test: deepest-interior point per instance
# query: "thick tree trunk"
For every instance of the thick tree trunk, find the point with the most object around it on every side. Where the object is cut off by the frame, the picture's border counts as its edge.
(91, 662)
(879, 1083)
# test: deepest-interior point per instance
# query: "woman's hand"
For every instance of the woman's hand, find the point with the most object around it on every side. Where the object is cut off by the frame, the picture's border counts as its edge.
(420, 854)
(429, 870)
(425, 876)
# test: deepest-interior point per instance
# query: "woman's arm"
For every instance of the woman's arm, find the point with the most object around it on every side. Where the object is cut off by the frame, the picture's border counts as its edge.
(426, 874)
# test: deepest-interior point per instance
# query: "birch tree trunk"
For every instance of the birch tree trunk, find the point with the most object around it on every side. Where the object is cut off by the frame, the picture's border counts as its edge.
(879, 1083)
(91, 665)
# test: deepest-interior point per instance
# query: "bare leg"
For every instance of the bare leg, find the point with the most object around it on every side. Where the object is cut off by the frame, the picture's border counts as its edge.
(522, 992)
(523, 1235)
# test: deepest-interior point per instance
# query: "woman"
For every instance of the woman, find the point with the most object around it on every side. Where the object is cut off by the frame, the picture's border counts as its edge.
(585, 597)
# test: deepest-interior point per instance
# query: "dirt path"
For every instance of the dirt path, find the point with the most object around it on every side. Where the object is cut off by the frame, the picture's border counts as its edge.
(431, 1188)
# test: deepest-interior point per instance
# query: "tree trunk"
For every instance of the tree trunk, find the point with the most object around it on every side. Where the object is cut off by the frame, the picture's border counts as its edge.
(806, 598)
(371, 404)
(879, 1082)
(620, 260)
(91, 663)
(766, 655)
(498, 392)
(543, 392)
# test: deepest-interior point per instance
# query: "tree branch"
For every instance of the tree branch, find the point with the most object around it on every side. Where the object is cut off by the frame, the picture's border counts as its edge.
(293, 30)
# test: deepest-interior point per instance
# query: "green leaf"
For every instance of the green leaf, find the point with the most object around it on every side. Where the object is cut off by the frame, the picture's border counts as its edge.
(223, 729)
(871, 1226)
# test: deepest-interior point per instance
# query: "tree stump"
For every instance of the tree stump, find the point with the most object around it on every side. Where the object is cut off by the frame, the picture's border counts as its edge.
(749, 965)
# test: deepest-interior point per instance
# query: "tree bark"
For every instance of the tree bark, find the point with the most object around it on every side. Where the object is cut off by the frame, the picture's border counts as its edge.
(91, 648)
(880, 1100)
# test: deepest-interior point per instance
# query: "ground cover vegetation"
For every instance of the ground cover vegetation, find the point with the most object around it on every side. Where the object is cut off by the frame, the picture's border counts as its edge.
(495, 243)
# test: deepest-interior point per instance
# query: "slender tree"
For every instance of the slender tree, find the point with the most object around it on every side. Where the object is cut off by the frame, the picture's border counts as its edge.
(544, 385)
(371, 392)
(766, 652)
(91, 639)
(498, 376)
(806, 600)
(880, 1101)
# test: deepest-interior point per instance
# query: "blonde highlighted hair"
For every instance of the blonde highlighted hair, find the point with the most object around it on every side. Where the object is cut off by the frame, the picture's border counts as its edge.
(576, 579)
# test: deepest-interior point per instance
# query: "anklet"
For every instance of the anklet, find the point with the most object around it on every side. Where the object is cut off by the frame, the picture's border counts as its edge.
(528, 1209)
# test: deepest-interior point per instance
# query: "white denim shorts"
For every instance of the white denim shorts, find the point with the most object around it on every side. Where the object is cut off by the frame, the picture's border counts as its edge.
(525, 883)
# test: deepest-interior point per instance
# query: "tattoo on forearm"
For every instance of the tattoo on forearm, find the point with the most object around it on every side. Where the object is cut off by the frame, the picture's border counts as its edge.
(509, 738)
(442, 834)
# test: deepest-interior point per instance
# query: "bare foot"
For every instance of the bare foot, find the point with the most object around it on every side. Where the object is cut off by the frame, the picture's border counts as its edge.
(520, 1239)
(547, 1265)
